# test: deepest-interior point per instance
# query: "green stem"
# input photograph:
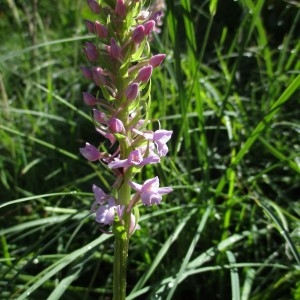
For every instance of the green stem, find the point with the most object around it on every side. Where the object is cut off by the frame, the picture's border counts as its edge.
(121, 244)
(120, 266)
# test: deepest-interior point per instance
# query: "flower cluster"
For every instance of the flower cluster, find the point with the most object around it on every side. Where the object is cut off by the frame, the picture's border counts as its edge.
(121, 66)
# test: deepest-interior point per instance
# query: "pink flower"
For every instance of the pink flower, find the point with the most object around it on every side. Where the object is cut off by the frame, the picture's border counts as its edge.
(150, 191)
(107, 135)
(106, 214)
(135, 158)
(105, 207)
(160, 138)
(100, 197)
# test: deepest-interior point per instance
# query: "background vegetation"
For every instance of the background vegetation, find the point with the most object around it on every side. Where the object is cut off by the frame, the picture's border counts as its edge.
(229, 89)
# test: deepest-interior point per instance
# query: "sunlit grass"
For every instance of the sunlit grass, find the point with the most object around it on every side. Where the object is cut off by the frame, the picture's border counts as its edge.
(230, 93)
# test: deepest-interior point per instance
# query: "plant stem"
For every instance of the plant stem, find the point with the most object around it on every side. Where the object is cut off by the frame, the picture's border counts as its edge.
(121, 245)
(120, 267)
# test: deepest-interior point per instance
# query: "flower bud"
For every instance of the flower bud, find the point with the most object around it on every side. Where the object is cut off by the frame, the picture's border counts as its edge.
(91, 51)
(115, 50)
(98, 76)
(99, 116)
(89, 99)
(132, 91)
(120, 8)
(115, 125)
(145, 73)
(156, 60)
(101, 30)
(149, 27)
(87, 73)
(138, 34)
(90, 152)
(90, 26)
(94, 6)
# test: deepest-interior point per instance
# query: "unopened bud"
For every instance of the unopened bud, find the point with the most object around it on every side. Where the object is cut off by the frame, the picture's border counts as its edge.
(99, 116)
(90, 26)
(90, 152)
(145, 73)
(120, 8)
(101, 30)
(132, 91)
(87, 73)
(138, 34)
(115, 50)
(115, 125)
(89, 99)
(94, 6)
(98, 76)
(149, 27)
(156, 60)
(91, 51)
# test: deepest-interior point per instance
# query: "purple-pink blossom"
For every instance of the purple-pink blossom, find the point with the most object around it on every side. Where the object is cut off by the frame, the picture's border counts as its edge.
(135, 158)
(105, 214)
(100, 197)
(160, 138)
(150, 192)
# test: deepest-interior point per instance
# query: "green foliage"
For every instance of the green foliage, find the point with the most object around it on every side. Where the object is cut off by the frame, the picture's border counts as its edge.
(229, 89)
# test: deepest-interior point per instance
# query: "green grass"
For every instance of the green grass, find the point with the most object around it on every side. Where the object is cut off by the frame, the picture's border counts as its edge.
(229, 89)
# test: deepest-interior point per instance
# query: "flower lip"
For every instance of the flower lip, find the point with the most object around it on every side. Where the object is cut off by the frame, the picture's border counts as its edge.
(150, 191)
